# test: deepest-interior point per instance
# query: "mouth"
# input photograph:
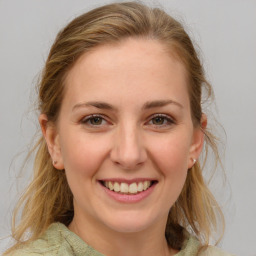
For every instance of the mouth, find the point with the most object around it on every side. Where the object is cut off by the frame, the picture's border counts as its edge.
(128, 188)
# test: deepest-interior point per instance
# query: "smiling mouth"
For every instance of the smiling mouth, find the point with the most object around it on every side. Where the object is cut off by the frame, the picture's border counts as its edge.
(125, 188)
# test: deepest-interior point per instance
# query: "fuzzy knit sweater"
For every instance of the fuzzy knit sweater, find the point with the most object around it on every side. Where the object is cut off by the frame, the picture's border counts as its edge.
(58, 240)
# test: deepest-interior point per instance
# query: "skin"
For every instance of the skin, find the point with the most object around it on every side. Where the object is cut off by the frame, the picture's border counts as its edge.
(129, 140)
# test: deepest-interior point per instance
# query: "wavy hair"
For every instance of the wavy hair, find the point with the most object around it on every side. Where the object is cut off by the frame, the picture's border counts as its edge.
(48, 198)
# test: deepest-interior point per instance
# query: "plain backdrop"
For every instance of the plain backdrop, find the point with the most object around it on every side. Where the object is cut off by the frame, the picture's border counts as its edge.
(225, 30)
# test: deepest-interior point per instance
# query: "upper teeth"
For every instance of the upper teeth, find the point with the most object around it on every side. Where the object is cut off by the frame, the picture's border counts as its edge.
(123, 187)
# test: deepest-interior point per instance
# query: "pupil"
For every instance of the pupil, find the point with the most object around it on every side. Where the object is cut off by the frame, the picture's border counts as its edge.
(96, 120)
(158, 120)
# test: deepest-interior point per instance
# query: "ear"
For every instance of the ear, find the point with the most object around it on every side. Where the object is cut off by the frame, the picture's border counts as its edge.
(197, 141)
(51, 136)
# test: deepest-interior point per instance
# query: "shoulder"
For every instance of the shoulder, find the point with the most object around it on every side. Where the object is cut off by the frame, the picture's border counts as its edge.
(191, 247)
(214, 251)
(50, 243)
(58, 240)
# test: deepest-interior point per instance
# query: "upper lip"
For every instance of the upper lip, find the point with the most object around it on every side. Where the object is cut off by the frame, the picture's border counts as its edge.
(128, 181)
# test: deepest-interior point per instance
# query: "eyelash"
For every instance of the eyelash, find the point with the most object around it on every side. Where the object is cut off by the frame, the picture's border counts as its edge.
(167, 120)
(89, 118)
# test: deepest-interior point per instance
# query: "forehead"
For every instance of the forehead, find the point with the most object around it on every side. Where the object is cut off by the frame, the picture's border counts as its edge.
(133, 65)
(127, 53)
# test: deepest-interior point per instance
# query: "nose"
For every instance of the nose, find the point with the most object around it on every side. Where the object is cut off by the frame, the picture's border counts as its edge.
(128, 149)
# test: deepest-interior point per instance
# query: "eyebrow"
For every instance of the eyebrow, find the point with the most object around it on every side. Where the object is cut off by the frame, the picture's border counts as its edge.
(107, 106)
(160, 103)
(96, 104)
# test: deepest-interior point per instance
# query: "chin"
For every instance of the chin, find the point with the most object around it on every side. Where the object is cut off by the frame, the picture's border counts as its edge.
(130, 222)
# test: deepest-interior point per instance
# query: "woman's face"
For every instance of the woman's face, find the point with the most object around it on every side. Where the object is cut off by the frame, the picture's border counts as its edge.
(125, 124)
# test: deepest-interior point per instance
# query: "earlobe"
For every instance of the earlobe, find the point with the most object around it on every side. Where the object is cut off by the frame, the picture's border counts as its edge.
(52, 140)
(198, 142)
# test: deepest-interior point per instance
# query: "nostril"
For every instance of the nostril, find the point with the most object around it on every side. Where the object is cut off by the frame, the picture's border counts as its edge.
(128, 152)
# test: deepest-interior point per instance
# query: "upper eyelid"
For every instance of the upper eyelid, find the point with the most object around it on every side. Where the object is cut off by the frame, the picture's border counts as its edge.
(162, 115)
(103, 116)
(88, 117)
(94, 115)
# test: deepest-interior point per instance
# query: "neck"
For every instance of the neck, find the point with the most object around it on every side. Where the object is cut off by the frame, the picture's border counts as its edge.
(143, 243)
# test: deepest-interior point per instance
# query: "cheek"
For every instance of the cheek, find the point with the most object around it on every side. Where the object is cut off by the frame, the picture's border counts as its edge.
(82, 155)
(171, 155)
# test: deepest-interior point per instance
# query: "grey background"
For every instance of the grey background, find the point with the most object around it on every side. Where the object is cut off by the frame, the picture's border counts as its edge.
(225, 30)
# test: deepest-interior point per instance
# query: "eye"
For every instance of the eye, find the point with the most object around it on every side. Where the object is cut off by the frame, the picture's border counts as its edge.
(94, 120)
(161, 120)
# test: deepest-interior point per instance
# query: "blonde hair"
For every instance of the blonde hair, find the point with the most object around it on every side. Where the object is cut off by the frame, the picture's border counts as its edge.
(48, 198)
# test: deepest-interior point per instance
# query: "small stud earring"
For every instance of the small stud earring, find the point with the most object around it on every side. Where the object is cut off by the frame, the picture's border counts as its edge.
(194, 160)
(54, 162)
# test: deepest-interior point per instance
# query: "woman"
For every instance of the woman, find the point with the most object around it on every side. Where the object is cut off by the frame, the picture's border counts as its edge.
(117, 170)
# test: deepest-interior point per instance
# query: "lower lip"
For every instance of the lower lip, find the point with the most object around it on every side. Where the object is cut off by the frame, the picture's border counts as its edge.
(129, 198)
